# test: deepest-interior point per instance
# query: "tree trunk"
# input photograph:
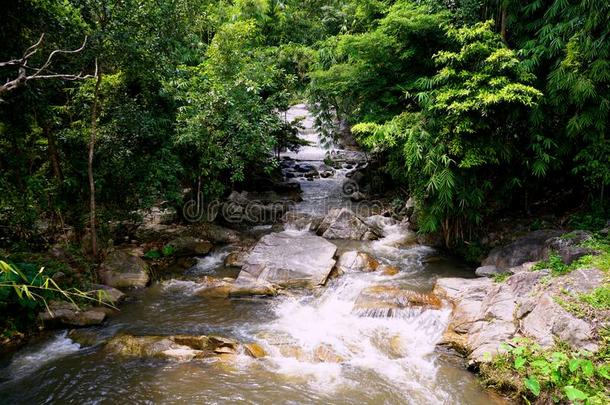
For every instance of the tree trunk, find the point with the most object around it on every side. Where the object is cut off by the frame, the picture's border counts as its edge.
(53, 154)
(94, 116)
(503, 24)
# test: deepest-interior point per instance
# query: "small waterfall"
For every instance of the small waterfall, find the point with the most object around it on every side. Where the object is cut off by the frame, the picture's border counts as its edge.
(323, 337)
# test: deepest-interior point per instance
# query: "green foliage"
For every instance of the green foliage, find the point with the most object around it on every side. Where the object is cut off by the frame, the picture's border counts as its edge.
(558, 373)
(152, 254)
(555, 264)
(189, 99)
(363, 77)
(168, 250)
(501, 277)
(25, 289)
(228, 108)
(592, 218)
(599, 298)
(467, 129)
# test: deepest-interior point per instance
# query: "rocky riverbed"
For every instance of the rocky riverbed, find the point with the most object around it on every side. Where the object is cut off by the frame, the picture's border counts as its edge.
(327, 301)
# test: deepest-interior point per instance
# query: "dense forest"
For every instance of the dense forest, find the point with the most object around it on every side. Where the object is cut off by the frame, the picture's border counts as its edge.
(474, 106)
(479, 110)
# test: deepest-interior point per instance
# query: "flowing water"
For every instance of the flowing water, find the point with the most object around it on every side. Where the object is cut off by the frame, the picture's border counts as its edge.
(387, 358)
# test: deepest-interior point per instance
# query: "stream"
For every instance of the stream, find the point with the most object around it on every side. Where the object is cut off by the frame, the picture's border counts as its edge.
(389, 358)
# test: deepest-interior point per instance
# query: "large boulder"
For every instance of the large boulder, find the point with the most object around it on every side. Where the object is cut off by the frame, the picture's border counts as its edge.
(123, 270)
(300, 221)
(353, 262)
(287, 259)
(489, 271)
(380, 222)
(61, 313)
(189, 246)
(218, 234)
(342, 223)
(548, 321)
(531, 247)
(487, 314)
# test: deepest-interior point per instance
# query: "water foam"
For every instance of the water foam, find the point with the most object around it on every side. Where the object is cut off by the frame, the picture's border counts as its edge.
(209, 263)
(399, 347)
(32, 359)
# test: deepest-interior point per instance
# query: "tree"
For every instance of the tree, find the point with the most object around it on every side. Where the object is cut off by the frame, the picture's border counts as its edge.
(26, 73)
(469, 137)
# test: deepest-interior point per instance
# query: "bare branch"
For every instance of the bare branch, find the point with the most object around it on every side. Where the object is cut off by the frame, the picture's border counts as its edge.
(42, 72)
(55, 52)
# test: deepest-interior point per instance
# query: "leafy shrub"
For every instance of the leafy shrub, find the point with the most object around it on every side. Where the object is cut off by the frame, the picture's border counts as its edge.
(558, 374)
(555, 264)
(168, 250)
(152, 254)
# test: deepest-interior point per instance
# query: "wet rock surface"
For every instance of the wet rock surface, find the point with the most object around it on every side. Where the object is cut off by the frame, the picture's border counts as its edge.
(342, 223)
(383, 300)
(179, 348)
(189, 246)
(531, 247)
(124, 270)
(353, 261)
(287, 259)
(62, 313)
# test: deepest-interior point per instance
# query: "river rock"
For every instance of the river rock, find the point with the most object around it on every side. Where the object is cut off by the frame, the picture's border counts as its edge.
(189, 246)
(531, 247)
(487, 314)
(326, 171)
(236, 258)
(342, 223)
(384, 300)
(68, 314)
(548, 320)
(176, 348)
(210, 287)
(218, 234)
(107, 294)
(255, 350)
(300, 221)
(324, 353)
(123, 270)
(380, 222)
(85, 337)
(388, 269)
(288, 259)
(246, 287)
(489, 271)
(353, 262)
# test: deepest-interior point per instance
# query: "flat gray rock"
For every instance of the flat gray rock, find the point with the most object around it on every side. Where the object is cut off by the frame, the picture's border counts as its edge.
(288, 259)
